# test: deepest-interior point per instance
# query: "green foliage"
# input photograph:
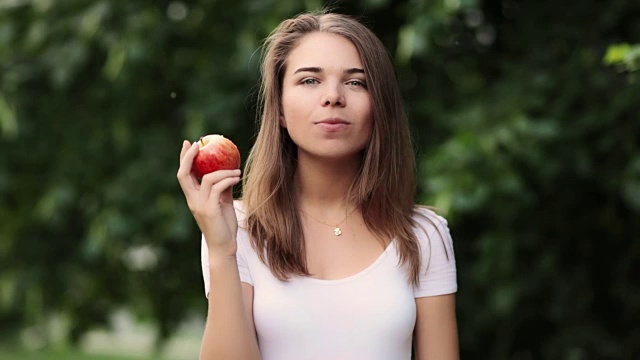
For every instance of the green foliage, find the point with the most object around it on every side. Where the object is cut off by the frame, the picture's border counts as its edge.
(625, 55)
(527, 142)
(539, 174)
(12, 354)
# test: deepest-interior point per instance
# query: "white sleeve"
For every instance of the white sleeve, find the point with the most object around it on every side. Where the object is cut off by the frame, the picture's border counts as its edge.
(437, 263)
(243, 268)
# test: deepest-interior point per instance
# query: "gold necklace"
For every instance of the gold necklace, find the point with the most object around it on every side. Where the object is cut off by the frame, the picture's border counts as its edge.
(337, 231)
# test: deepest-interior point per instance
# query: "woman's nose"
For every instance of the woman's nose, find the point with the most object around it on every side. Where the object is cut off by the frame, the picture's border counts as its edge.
(334, 97)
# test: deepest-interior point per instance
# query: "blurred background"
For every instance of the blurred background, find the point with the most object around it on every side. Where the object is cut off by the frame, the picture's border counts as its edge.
(526, 119)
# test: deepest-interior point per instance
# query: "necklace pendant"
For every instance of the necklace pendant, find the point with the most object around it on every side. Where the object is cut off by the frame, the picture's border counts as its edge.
(337, 231)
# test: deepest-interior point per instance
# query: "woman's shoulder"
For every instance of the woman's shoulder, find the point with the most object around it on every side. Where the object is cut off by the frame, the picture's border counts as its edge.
(431, 229)
(427, 218)
(437, 256)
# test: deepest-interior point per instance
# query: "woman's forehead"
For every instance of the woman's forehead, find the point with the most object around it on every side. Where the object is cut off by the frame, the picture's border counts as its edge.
(328, 52)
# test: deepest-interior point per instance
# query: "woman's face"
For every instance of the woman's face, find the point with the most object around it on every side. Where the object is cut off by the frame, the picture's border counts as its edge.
(326, 105)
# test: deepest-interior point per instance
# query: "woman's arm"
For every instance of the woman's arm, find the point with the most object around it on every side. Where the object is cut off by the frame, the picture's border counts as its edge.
(436, 332)
(229, 332)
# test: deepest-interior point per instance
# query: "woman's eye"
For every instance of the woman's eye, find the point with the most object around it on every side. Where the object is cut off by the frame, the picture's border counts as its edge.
(309, 81)
(358, 83)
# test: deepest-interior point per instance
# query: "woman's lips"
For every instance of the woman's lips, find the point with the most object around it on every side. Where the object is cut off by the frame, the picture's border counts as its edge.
(332, 125)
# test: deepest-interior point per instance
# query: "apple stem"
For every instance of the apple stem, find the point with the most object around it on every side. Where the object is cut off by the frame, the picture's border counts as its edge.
(201, 142)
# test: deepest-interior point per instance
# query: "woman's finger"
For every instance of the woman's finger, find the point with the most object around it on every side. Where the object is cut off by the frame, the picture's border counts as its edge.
(187, 158)
(188, 188)
(209, 180)
(185, 147)
(185, 176)
(226, 197)
(220, 188)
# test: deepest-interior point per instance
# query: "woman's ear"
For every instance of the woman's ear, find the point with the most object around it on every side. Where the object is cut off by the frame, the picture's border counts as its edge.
(283, 122)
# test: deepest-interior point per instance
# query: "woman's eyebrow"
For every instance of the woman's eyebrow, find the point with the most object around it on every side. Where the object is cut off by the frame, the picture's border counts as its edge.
(313, 69)
(354, 71)
(316, 69)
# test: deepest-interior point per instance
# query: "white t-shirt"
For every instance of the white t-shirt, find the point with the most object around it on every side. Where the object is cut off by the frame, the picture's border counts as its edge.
(370, 315)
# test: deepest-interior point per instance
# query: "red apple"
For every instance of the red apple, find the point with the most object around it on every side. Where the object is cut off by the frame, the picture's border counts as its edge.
(216, 153)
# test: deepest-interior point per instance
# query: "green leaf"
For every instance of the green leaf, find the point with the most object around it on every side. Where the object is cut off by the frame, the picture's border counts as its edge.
(8, 119)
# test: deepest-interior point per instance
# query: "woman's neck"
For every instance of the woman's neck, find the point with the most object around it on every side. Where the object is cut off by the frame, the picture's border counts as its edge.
(322, 185)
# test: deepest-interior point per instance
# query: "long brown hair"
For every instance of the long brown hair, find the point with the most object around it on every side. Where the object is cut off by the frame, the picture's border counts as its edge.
(385, 186)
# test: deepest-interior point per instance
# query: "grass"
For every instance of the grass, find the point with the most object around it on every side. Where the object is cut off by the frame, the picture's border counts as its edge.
(7, 353)
(126, 339)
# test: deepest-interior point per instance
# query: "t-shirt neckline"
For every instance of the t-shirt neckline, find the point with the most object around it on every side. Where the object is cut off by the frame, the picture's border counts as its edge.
(356, 275)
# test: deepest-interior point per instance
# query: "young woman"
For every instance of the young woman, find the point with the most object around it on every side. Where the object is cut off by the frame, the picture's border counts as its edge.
(326, 256)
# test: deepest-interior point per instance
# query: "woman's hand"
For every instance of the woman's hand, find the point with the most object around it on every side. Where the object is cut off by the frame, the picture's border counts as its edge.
(210, 202)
